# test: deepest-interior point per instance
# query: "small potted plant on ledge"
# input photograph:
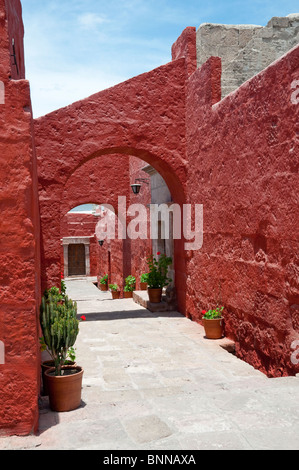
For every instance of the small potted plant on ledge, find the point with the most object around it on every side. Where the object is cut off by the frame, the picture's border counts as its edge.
(130, 283)
(213, 322)
(143, 281)
(114, 291)
(157, 276)
(60, 328)
(104, 283)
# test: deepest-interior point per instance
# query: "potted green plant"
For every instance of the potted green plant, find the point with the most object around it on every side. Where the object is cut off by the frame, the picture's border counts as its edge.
(50, 363)
(130, 283)
(71, 356)
(213, 322)
(143, 281)
(60, 328)
(157, 276)
(104, 282)
(114, 291)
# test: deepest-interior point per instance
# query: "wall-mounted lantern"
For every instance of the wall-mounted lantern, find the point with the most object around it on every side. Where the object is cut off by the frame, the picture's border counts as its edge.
(101, 242)
(137, 186)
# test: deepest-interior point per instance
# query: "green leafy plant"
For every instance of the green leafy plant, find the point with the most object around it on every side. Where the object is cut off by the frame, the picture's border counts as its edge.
(60, 327)
(158, 271)
(113, 287)
(104, 279)
(130, 283)
(144, 277)
(212, 313)
(71, 355)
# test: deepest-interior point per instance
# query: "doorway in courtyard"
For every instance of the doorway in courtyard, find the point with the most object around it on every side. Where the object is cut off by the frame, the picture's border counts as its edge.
(85, 254)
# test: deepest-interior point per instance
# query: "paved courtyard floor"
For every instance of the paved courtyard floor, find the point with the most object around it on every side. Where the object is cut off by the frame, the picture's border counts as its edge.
(152, 381)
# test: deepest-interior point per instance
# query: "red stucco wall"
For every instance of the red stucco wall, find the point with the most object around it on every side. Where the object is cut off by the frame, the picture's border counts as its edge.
(244, 154)
(19, 249)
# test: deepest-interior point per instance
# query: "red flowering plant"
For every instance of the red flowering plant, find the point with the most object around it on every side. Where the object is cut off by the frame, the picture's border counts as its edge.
(104, 279)
(212, 313)
(158, 271)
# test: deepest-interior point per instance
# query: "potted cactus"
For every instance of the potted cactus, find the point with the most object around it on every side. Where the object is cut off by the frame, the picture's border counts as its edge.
(60, 328)
(71, 356)
(114, 291)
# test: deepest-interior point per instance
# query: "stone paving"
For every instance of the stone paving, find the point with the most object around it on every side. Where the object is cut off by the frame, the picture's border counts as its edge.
(152, 381)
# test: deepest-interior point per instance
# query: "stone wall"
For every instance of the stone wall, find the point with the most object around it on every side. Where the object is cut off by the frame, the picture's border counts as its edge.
(244, 152)
(19, 229)
(246, 50)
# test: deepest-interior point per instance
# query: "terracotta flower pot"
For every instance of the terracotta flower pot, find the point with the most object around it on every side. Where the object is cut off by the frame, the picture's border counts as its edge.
(213, 328)
(115, 294)
(46, 365)
(128, 295)
(143, 285)
(103, 287)
(65, 390)
(155, 295)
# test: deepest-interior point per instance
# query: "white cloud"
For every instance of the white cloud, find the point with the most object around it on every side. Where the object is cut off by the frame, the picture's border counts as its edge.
(91, 20)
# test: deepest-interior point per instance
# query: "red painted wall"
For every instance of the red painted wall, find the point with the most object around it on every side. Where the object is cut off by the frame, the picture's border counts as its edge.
(19, 249)
(244, 154)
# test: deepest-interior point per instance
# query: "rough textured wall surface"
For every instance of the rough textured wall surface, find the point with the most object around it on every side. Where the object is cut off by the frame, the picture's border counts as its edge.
(246, 50)
(244, 153)
(19, 249)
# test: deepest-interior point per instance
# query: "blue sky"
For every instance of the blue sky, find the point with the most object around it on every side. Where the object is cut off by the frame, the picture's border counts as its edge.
(75, 48)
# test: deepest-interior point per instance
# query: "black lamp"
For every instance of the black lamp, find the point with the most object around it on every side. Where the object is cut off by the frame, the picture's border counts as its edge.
(101, 242)
(137, 186)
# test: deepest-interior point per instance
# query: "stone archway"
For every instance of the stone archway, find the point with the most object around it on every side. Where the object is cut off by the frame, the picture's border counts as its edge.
(88, 184)
(146, 120)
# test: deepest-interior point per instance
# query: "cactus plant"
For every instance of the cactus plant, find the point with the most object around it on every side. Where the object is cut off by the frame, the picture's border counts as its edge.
(60, 327)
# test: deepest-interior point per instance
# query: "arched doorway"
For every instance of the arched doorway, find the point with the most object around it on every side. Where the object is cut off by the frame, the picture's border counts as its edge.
(143, 118)
(118, 257)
